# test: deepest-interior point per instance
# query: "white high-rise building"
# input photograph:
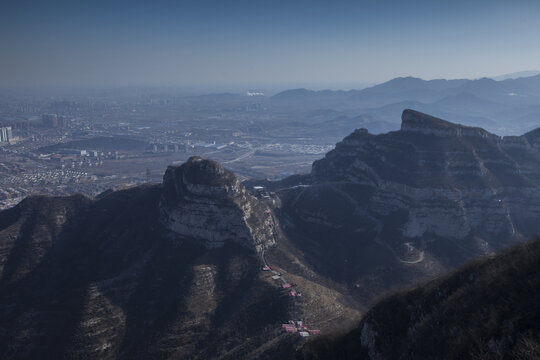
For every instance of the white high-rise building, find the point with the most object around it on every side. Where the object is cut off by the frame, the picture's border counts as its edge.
(6, 134)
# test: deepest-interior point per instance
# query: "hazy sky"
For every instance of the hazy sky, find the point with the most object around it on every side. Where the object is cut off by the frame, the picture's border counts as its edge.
(222, 42)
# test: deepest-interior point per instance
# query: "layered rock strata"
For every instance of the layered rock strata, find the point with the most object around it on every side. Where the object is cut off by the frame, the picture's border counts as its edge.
(432, 194)
(204, 201)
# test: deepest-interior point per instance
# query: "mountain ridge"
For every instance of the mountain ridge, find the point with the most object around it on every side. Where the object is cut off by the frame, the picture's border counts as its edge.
(485, 309)
(411, 84)
(421, 204)
(506, 107)
(415, 121)
(112, 278)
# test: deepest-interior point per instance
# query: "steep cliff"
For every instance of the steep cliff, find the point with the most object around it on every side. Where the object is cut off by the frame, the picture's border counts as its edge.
(204, 201)
(410, 204)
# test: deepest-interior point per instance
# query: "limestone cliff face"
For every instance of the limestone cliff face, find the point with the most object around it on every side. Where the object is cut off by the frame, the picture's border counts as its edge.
(201, 200)
(452, 180)
(433, 194)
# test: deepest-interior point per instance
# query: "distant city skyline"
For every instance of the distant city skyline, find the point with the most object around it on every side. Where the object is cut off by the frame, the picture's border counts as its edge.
(280, 44)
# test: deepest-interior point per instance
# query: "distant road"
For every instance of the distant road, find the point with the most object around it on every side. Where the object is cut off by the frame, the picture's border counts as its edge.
(243, 156)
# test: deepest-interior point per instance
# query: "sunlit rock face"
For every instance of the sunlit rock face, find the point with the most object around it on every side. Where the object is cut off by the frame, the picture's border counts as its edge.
(206, 202)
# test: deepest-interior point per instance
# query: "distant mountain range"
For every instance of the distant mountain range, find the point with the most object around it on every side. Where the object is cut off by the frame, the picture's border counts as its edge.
(516, 75)
(506, 107)
(511, 91)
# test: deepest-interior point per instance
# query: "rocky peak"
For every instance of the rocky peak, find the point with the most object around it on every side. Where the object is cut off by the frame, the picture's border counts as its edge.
(447, 180)
(202, 200)
(207, 172)
(415, 121)
(199, 177)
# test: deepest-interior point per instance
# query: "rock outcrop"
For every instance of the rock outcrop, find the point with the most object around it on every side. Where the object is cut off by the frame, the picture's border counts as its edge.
(533, 138)
(169, 271)
(201, 200)
(415, 121)
(429, 196)
(104, 279)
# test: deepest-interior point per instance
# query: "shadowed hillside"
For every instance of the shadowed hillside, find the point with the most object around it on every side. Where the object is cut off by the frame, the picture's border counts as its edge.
(155, 271)
(488, 309)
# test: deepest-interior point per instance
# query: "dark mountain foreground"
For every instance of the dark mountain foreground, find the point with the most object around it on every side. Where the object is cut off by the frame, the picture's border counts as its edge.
(156, 271)
(488, 309)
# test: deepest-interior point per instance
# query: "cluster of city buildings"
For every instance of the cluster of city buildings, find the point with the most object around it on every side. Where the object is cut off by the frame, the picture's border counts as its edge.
(40, 137)
(54, 120)
(6, 134)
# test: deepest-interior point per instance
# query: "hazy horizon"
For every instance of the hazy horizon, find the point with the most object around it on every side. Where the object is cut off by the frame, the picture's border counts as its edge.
(269, 89)
(210, 44)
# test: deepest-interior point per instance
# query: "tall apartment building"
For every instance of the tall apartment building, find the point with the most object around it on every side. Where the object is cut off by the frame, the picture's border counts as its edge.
(6, 134)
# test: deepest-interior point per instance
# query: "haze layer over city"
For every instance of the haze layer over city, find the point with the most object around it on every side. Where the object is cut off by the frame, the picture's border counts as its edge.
(175, 79)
